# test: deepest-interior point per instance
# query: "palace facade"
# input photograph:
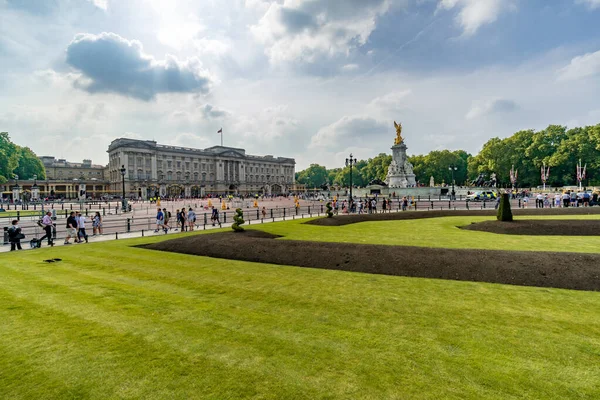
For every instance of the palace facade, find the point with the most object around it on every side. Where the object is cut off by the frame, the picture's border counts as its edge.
(153, 169)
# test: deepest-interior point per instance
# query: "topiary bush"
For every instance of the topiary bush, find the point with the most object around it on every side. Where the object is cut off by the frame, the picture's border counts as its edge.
(329, 208)
(238, 220)
(504, 211)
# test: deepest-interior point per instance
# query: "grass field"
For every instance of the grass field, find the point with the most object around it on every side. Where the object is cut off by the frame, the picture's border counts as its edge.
(436, 232)
(112, 321)
(22, 213)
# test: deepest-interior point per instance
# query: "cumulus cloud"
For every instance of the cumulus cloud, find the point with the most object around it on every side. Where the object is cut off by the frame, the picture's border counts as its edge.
(102, 4)
(593, 4)
(305, 29)
(489, 107)
(391, 102)
(115, 64)
(349, 131)
(584, 66)
(211, 112)
(473, 14)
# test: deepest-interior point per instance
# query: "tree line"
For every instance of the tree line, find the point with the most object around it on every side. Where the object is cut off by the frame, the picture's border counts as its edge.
(17, 160)
(527, 151)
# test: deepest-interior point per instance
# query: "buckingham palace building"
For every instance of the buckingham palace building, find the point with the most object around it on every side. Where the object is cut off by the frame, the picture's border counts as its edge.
(153, 169)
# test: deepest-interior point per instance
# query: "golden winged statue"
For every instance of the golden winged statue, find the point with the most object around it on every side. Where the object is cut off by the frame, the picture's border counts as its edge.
(399, 139)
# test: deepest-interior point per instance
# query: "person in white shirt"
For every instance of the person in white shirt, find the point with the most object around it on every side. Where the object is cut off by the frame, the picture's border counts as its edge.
(81, 227)
(47, 224)
(557, 198)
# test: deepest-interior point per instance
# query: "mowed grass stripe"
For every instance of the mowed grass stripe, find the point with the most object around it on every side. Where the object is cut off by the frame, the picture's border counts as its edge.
(99, 362)
(288, 332)
(435, 232)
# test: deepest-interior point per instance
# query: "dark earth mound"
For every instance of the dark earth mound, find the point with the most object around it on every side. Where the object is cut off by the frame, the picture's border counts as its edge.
(555, 227)
(544, 269)
(340, 220)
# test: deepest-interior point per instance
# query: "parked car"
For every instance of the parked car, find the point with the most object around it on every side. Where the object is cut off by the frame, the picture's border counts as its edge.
(482, 196)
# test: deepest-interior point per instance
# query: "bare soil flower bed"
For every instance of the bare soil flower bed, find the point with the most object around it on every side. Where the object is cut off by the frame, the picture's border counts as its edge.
(340, 220)
(556, 227)
(544, 269)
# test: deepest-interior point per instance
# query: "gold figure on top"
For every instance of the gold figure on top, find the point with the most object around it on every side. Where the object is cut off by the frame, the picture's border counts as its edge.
(399, 139)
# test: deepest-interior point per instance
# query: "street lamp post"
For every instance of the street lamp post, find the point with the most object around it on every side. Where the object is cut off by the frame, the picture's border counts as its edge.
(124, 200)
(349, 163)
(453, 168)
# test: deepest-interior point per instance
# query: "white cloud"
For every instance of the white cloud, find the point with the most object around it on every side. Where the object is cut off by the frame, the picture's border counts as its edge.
(593, 4)
(489, 107)
(391, 102)
(584, 66)
(348, 131)
(115, 64)
(102, 4)
(350, 67)
(474, 14)
(302, 30)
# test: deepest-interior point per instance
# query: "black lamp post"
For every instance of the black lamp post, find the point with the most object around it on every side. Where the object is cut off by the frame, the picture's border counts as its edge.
(124, 200)
(453, 168)
(349, 163)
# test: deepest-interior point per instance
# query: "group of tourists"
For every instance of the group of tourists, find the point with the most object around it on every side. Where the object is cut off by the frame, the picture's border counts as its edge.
(187, 220)
(75, 226)
(76, 229)
(566, 199)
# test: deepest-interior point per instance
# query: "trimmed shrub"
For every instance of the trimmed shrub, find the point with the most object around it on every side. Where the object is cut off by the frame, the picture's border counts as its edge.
(504, 211)
(238, 220)
(329, 210)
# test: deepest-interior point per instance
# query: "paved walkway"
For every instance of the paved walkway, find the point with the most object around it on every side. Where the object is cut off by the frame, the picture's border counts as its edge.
(145, 233)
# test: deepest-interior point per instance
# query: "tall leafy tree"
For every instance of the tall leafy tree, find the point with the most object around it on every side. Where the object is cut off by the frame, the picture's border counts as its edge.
(29, 164)
(314, 176)
(9, 157)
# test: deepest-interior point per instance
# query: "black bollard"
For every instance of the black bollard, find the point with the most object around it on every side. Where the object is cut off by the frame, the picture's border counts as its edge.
(128, 224)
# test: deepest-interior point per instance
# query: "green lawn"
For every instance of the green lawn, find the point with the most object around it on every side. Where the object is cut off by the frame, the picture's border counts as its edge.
(436, 232)
(111, 321)
(22, 213)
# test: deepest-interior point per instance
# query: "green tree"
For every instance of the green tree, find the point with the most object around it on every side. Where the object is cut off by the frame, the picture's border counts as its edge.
(9, 157)
(376, 168)
(437, 164)
(29, 164)
(314, 176)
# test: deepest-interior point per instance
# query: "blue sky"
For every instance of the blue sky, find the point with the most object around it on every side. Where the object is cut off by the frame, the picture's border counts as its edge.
(309, 79)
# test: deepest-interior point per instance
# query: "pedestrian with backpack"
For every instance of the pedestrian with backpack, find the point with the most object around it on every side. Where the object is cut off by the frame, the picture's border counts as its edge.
(15, 235)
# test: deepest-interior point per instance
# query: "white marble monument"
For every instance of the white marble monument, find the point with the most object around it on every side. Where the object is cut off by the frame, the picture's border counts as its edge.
(400, 172)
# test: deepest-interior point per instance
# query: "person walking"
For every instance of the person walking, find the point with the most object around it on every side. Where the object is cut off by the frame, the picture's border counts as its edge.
(166, 218)
(160, 220)
(264, 212)
(15, 235)
(97, 224)
(71, 228)
(81, 228)
(47, 227)
(182, 219)
(191, 218)
(215, 216)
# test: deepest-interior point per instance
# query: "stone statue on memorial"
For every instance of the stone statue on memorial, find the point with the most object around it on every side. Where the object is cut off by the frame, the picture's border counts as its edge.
(400, 172)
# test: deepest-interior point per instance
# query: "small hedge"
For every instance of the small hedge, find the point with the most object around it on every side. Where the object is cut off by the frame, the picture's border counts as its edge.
(238, 220)
(329, 210)
(504, 211)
